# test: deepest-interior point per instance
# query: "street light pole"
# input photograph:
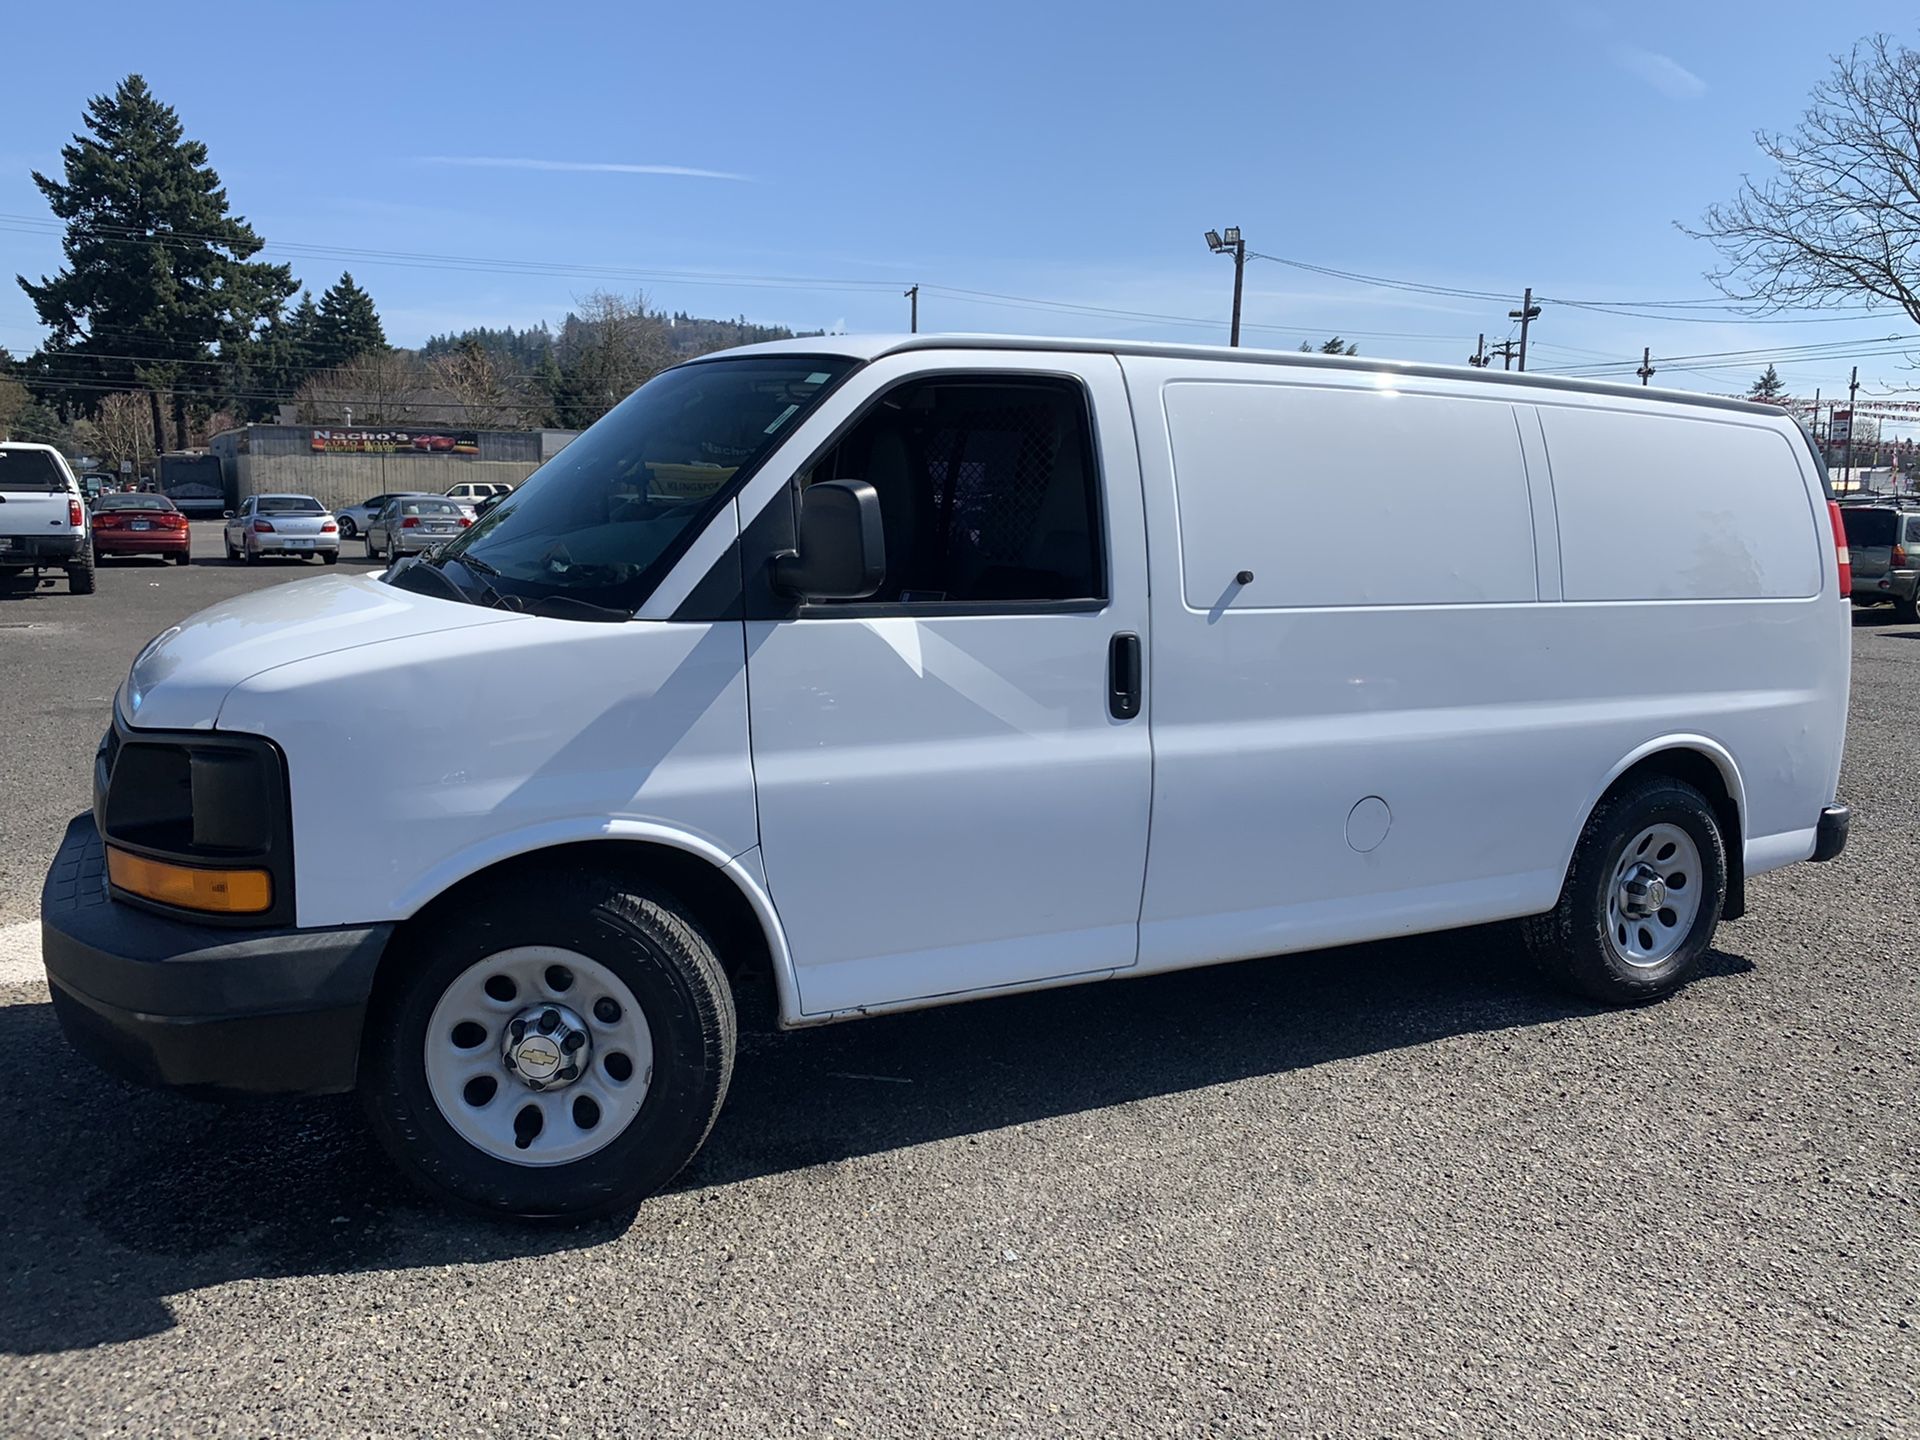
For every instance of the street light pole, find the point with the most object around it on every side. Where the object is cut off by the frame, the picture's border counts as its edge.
(1232, 244)
(913, 320)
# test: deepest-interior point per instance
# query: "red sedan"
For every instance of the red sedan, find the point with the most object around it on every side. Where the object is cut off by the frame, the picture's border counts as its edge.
(140, 525)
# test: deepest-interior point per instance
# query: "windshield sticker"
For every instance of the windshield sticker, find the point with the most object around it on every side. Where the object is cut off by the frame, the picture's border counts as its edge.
(780, 419)
(818, 377)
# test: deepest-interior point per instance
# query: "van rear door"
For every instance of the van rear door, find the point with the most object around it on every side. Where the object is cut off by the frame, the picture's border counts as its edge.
(954, 775)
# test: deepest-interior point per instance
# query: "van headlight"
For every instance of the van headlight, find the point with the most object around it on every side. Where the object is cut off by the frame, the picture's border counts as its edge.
(197, 824)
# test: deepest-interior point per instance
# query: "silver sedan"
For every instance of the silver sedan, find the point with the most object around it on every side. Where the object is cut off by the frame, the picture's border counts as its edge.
(413, 525)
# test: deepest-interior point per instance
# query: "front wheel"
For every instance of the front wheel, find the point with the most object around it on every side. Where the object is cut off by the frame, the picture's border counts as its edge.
(372, 553)
(555, 1057)
(1642, 897)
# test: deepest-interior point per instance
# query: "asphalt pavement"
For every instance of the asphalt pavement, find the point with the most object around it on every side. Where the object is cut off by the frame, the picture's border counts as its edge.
(1397, 1189)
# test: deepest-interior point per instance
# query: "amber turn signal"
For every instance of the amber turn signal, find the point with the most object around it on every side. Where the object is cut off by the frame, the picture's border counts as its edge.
(189, 887)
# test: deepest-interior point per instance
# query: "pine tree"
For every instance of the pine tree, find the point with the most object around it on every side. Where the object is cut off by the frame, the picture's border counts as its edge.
(347, 325)
(1335, 346)
(1769, 387)
(157, 272)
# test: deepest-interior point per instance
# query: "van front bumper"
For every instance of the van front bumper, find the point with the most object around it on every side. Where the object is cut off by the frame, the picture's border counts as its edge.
(202, 1008)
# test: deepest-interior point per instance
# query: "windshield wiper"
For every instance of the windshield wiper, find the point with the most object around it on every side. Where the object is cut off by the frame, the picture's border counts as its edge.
(557, 607)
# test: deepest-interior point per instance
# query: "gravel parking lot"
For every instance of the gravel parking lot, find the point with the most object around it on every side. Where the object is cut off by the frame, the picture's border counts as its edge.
(1392, 1189)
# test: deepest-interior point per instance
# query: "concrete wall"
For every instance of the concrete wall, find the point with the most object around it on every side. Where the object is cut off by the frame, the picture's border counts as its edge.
(277, 459)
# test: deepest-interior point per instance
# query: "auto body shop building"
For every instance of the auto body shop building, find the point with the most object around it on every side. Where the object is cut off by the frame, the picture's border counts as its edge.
(342, 465)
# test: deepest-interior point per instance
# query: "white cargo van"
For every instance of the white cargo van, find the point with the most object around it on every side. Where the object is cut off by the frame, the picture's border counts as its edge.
(889, 672)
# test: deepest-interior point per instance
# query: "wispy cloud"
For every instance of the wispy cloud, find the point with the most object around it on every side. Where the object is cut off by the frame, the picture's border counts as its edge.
(594, 167)
(1662, 72)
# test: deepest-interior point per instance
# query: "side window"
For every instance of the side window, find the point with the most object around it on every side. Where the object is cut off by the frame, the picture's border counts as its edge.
(1913, 531)
(988, 490)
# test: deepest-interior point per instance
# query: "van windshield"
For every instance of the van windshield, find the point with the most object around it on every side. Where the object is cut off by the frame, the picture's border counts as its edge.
(605, 519)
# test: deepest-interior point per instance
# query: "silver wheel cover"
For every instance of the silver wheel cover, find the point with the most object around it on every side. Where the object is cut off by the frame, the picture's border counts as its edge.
(492, 1105)
(1654, 896)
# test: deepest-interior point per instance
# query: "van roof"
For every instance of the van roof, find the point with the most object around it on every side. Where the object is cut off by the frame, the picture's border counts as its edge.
(872, 347)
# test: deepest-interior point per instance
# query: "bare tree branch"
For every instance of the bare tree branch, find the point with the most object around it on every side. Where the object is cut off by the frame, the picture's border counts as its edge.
(1840, 220)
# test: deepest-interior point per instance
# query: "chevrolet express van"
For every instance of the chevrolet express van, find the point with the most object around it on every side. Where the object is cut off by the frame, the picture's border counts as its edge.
(891, 672)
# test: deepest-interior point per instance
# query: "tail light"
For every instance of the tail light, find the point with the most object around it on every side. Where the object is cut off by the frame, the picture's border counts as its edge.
(107, 522)
(174, 521)
(329, 528)
(1840, 551)
(263, 527)
(409, 522)
(76, 517)
(1899, 557)
(464, 522)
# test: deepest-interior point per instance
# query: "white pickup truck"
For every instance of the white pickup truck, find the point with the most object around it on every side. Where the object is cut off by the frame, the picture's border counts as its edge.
(43, 523)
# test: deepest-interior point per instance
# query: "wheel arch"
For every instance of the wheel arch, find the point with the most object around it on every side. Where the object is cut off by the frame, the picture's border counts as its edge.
(723, 895)
(1710, 768)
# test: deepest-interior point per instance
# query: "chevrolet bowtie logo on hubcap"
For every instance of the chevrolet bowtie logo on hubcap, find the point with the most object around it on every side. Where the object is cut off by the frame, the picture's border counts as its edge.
(546, 1047)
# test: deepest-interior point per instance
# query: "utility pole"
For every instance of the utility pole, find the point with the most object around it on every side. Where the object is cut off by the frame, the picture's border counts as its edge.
(1526, 315)
(1232, 244)
(1853, 418)
(1505, 350)
(1479, 359)
(913, 319)
(1646, 371)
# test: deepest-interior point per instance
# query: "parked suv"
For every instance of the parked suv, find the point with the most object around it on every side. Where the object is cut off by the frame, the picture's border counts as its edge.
(474, 492)
(1883, 537)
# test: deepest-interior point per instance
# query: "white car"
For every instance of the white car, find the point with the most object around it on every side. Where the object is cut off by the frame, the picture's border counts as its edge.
(883, 673)
(477, 492)
(297, 526)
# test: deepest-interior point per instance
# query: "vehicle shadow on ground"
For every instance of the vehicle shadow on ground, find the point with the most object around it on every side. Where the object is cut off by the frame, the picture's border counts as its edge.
(114, 1199)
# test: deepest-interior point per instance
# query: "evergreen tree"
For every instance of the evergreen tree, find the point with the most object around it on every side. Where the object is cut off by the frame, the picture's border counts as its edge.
(347, 326)
(1769, 387)
(1335, 346)
(157, 271)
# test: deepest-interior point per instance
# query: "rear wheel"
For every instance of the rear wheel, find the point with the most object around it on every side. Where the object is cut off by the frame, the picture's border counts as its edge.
(1642, 897)
(248, 553)
(347, 528)
(80, 576)
(185, 557)
(560, 1057)
(331, 557)
(1907, 611)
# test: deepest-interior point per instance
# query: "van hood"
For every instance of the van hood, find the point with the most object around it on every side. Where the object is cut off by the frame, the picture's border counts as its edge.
(183, 676)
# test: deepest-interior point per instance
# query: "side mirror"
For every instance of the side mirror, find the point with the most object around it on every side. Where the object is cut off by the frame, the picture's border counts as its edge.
(841, 552)
(226, 514)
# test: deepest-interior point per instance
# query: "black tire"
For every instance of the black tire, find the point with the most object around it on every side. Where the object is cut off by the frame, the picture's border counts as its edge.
(347, 528)
(372, 554)
(1571, 941)
(640, 935)
(183, 558)
(330, 557)
(249, 554)
(80, 576)
(1907, 611)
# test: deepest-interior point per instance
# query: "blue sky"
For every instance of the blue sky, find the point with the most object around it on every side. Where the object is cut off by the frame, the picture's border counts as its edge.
(1063, 152)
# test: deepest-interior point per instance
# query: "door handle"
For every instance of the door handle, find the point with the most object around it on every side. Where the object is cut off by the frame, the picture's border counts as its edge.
(1123, 676)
